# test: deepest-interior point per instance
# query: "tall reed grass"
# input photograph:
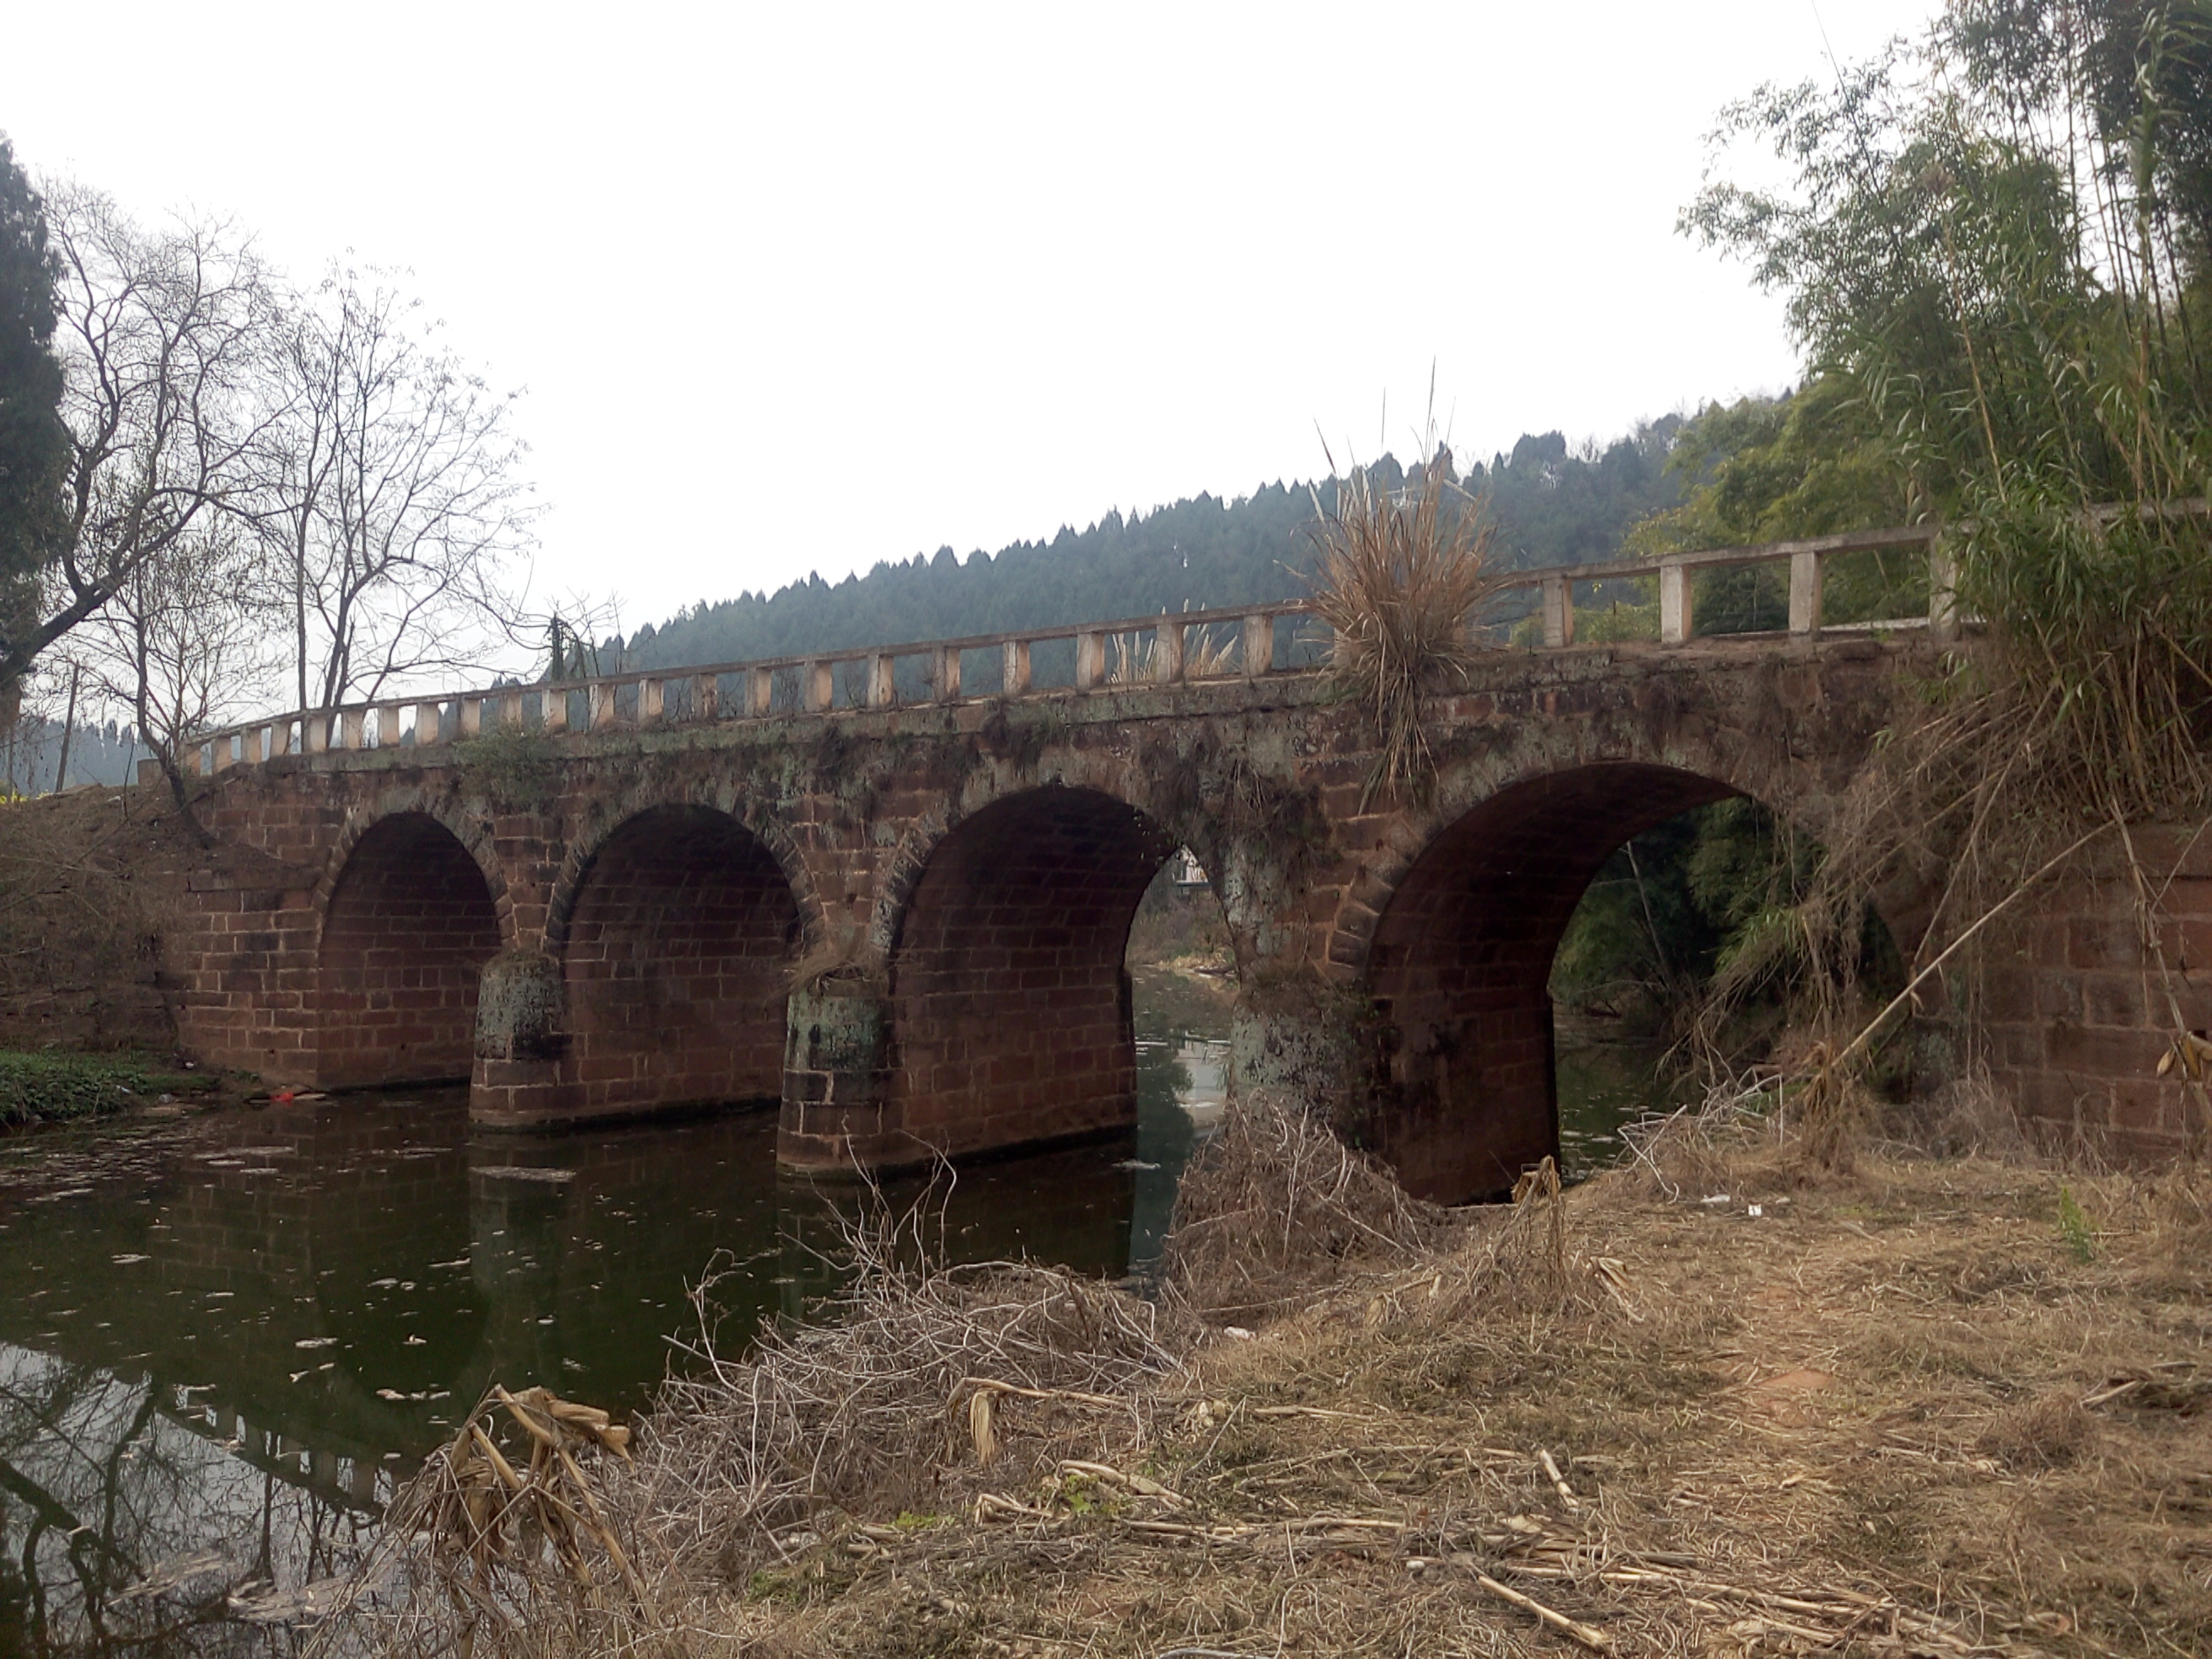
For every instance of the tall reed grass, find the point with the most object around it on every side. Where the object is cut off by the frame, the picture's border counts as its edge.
(1402, 578)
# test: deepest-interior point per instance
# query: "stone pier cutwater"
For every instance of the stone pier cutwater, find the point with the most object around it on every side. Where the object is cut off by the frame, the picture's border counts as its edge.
(891, 890)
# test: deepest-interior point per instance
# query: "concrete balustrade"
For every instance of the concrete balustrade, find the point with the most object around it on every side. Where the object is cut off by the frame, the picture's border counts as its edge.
(616, 702)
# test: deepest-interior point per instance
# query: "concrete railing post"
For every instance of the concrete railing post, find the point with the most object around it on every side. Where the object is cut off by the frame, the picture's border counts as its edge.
(652, 702)
(821, 685)
(1018, 668)
(760, 691)
(604, 717)
(1676, 622)
(510, 710)
(945, 673)
(1259, 646)
(707, 698)
(1942, 594)
(1558, 613)
(353, 728)
(430, 724)
(468, 717)
(1090, 660)
(1167, 651)
(1806, 575)
(188, 759)
(553, 710)
(883, 685)
(249, 746)
(314, 734)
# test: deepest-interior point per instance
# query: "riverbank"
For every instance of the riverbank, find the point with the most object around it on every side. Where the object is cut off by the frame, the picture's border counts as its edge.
(1726, 1401)
(56, 1086)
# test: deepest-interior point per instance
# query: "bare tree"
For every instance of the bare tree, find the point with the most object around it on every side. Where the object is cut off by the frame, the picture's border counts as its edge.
(162, 335)
(183, 644)
(393, 507)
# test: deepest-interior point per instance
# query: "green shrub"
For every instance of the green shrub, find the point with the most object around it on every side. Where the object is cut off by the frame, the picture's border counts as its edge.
(51, 1088)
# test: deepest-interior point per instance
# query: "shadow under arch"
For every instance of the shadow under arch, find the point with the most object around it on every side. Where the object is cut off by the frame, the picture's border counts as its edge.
(1463, 1089)
(1011, 1001)
(409, 925)
(676, 944)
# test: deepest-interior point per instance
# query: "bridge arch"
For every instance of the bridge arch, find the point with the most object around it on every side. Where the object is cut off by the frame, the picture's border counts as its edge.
(675, 939)
(1457, 966)
(599, 828)
(1009, 995)
(1134, 781)
(409, 915)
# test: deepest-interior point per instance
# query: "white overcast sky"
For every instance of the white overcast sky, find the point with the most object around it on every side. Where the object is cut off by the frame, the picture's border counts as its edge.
(796, 287)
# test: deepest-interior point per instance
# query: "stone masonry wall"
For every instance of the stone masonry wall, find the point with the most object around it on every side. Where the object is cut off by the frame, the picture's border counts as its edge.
(2081, 1001)
(961, 878)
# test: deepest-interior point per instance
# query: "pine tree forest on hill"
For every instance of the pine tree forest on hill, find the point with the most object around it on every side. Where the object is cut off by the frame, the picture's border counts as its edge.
(1553, 505)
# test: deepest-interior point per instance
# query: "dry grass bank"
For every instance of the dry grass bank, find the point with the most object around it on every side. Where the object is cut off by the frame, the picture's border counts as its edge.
(82, 903)
(1926, 1405)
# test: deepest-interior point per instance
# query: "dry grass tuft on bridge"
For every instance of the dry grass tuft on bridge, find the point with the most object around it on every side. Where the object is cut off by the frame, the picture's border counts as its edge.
(1728, 1401)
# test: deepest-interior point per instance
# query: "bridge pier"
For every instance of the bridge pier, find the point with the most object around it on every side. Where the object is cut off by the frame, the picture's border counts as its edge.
(836, 1114)
(521, 1040)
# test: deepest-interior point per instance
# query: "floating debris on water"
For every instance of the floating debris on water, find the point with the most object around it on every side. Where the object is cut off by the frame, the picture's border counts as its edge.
(316, 1342)
(523, 1172)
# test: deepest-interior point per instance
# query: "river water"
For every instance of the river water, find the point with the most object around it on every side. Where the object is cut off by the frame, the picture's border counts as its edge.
(225, 1337)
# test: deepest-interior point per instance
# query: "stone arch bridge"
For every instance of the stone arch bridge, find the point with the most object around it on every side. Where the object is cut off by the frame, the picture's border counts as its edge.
(899, 908)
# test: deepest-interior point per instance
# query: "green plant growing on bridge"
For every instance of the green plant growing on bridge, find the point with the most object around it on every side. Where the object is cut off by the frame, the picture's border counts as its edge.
(1401, 574)
(515, 767)
(1995, 252)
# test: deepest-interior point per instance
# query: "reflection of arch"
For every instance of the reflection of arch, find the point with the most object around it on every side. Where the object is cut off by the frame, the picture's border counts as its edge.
(1461, 961)
(1010, 999)
(675, 951)
(409, 924)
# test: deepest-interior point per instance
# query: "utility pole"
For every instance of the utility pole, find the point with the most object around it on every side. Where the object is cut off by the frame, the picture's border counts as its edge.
(69, 730)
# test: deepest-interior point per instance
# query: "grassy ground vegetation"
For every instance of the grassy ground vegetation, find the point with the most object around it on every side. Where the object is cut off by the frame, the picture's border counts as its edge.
(1938, 1395)
(54, 1087)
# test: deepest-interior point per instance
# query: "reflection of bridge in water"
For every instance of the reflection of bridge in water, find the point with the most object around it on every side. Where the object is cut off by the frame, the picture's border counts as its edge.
(330, 1286)
(232, 1347)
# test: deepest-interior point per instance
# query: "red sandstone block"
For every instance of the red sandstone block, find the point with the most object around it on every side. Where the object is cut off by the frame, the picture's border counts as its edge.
(2143, 1104)
(2101, 942)
(2008, 993)
(2018, 1045)
(2190, 897)
(2058, 996)
(2188, 943)
(2166, 849)
(2103, 1051)
(2112, 999)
